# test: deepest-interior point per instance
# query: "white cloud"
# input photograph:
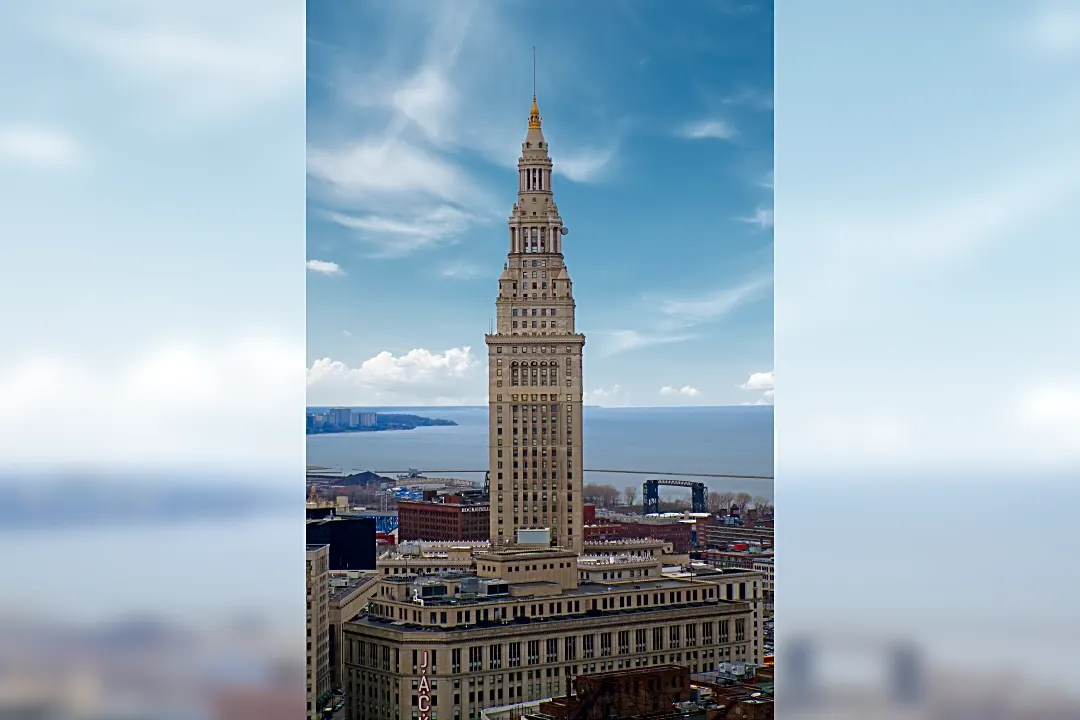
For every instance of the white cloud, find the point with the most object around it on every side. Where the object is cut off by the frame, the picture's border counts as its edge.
(325, 267)
(419, 377)
(760, 381)
(200, 60)
(180, 402)
(708, 130)
(693, 311)
(762, 217)
(768, 181)
(614, 396)
(1053, 404)
(764, 383)
(686, 391)
(39, 147)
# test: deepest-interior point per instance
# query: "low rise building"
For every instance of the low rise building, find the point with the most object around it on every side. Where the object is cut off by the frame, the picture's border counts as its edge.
(719, 536)
(746, 559)
(454, 518)
(511, 631)
(425, 560)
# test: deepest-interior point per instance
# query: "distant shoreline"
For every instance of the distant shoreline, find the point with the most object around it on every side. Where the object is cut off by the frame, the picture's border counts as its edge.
(349, 431)
(384, 422)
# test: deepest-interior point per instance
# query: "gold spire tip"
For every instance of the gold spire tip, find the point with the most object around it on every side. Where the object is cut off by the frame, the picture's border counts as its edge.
(534, 115)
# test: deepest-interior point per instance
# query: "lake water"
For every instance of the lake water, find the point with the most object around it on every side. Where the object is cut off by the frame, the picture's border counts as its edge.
(727, 440)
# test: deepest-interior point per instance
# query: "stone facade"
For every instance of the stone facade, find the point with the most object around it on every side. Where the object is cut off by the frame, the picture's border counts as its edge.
(535, 368)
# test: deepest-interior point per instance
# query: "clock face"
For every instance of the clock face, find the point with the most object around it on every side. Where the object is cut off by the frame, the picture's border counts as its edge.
(564, 230)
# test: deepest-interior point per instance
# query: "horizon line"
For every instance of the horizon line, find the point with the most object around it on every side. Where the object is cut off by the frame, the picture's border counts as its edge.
(606, 407)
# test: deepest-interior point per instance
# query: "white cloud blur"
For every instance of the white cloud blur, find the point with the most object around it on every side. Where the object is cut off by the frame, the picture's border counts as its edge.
(39, 147)
(181, 402)
(200, 61)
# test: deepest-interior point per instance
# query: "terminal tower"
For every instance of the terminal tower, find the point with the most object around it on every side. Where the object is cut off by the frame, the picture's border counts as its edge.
(534, 368)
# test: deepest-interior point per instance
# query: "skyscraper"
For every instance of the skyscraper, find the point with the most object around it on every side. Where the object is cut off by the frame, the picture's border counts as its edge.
(534, 367)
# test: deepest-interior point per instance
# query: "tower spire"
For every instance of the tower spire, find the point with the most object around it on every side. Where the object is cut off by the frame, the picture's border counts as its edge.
(534, 112)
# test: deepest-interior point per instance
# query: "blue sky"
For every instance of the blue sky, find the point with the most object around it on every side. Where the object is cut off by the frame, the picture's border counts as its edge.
(660, 124)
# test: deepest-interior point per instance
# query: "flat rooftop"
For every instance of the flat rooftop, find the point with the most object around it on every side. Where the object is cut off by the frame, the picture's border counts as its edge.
(584, 590)
(338, 591)
(406, 626)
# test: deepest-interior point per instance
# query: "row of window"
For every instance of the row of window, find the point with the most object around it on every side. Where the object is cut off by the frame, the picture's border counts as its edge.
(544, 312)
(730, 591)
(531, 348)
(586, 646)
(543, 324)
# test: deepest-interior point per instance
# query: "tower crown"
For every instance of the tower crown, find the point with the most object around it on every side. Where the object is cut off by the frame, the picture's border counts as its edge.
(534, 115)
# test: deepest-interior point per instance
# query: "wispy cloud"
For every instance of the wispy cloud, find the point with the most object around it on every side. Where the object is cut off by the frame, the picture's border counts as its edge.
(619, 341)
(584, 165)
(396, 236)
(375, 172)
(461, 271)
(678, 317)
(324, 267)
(750, 97)
(768, 180)
(687, 312)
(39, 147)
(762, 218)
(708, 130)
(421, 127)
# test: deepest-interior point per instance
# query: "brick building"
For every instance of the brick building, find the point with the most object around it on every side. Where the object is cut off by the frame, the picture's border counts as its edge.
(442, 521)
(679, 534)
(640, 692)
(604, 532)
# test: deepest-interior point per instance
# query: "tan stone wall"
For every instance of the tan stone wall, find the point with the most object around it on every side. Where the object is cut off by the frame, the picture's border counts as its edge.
(539, 679)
